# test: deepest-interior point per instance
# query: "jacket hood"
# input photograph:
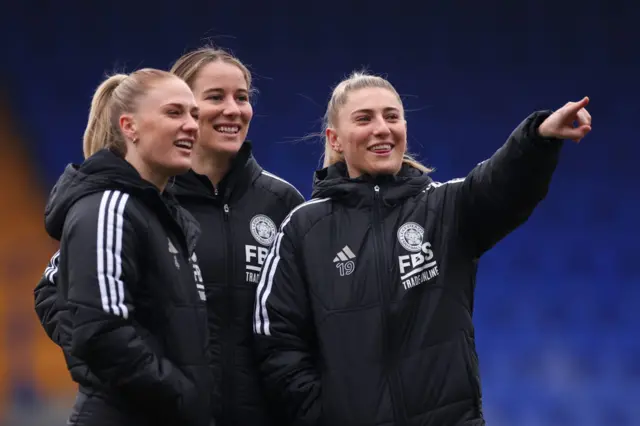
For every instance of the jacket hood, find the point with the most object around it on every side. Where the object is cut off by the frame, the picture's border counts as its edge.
(102, 171)
(243, 171)
(334, 182)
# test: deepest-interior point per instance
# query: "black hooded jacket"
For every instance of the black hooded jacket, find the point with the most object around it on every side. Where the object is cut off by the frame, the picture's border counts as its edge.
(364, 313)
(239, 221)
(128, 308)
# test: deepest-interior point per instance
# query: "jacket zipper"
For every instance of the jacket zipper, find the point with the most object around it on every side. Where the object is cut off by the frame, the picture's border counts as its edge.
(227, 349)
(388, 358)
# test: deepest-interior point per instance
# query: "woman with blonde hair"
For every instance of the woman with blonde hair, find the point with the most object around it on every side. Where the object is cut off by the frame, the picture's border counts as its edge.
(128, 307)
(364, 307)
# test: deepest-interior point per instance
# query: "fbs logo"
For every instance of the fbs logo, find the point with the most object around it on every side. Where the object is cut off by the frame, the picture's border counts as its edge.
(197, 276)
(419, 266)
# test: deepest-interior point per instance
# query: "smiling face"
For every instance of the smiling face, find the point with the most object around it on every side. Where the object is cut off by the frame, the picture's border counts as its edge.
(162, 130)
(222, 93)
(370, 132)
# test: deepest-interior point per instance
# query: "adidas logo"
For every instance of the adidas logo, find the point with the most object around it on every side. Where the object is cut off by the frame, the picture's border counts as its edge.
(344, 261)
(344, 255)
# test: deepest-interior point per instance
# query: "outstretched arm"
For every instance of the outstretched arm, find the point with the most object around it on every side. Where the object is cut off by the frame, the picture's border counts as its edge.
(501, 193)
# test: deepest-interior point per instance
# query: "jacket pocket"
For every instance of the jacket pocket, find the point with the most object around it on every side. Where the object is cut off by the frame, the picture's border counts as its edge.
(437, 379)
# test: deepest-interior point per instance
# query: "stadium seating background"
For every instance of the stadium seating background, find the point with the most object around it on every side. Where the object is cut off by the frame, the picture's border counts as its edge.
(555, 310)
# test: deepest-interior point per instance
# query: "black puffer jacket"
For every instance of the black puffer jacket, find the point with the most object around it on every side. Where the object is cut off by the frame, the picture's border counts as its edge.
(364, 313)
(128, 307)
(239, 221)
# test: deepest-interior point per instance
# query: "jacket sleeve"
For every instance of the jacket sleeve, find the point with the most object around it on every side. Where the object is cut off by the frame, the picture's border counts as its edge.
(100, 250)
(46, 296)
(501, 193)
(284, 333)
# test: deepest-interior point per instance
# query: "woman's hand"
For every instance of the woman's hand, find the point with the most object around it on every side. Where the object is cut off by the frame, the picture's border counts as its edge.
(572, 121)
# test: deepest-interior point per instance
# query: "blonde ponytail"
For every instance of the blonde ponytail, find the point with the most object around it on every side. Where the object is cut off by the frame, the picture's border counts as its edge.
(99, 132)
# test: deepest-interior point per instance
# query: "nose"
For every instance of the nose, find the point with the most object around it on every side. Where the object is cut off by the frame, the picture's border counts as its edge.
(231, 108)
(381, 128)
(190, 125)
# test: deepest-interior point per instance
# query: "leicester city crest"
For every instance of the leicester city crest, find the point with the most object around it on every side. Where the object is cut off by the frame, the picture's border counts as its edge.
(263, 229)
(410, 236)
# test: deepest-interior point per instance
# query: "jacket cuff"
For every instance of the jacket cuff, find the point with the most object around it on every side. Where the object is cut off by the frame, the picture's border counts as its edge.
(532, 125)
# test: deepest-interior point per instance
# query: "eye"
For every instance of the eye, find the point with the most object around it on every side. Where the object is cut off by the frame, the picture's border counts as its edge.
(215, 98)
(173, 113)
(393, 116)
(363, 118)
(195, 116)
(243, 98)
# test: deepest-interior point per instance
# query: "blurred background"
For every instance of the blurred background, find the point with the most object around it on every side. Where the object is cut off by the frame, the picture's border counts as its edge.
(556, 307)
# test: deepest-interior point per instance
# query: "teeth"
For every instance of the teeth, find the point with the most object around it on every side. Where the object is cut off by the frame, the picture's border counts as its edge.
(381, 147)
(227, 129)
(184, 144)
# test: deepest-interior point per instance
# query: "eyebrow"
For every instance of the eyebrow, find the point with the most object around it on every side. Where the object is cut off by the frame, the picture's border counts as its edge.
(193, 108)
(370, 111)
(219, 89)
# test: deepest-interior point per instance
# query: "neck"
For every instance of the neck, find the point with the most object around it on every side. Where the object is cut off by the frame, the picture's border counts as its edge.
(159, 180)
(212, 165)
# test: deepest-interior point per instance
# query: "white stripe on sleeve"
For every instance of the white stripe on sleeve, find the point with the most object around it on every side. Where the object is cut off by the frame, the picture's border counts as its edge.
(109, 252)
(52, 268)
(261, 317)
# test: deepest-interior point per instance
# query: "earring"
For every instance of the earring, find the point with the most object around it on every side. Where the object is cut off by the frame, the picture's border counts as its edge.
(135, 140)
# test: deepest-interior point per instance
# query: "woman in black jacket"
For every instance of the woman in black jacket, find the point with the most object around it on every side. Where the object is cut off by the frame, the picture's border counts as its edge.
(129, 308)
(364, 307)
(239, 206)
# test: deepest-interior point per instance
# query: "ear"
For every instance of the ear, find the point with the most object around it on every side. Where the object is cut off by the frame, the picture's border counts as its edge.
(128, 127)
(332, 137)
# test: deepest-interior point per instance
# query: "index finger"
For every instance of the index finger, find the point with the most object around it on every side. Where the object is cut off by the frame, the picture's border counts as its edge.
(574, 107)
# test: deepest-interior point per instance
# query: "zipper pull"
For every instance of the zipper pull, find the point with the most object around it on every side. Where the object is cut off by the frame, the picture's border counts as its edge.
(226, 209)
(376, 190)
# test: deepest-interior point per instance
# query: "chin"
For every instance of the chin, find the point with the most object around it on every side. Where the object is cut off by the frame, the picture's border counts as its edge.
(179, 166)
(229, 149)
(227, 145)
(386, 168)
